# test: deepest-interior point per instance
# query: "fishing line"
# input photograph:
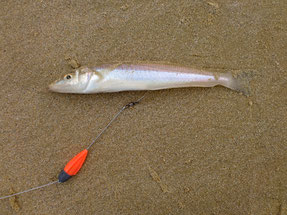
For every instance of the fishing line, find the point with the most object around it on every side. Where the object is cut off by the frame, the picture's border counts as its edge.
(76, 163)
(31, 189)
(115, 117)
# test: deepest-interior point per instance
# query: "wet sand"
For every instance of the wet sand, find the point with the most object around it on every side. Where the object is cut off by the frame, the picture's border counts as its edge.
(181, 151)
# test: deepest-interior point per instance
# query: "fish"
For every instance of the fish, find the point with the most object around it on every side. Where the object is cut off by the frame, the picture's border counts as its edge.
(107, 78)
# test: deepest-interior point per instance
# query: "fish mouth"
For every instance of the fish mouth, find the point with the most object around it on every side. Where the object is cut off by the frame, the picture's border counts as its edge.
(57, 86)
(62, 87)
(53, 88)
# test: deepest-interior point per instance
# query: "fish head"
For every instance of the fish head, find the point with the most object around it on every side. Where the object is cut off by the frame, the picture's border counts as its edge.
(75, 82)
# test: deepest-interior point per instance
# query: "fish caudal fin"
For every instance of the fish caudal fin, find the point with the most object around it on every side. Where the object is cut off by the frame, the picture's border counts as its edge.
(239, 82)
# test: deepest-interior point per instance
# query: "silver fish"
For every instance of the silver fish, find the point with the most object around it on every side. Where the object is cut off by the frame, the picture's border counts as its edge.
(142, 76)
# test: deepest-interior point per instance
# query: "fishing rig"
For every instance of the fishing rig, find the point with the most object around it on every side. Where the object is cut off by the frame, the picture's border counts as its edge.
(76, 163)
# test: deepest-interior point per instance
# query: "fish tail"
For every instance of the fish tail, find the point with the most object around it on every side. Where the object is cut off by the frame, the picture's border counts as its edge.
(239, 82)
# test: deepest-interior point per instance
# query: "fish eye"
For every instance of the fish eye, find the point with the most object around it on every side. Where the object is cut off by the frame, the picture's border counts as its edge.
(68, 77)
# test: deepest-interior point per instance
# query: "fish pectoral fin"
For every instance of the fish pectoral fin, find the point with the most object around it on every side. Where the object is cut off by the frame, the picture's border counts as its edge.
(99, 75)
